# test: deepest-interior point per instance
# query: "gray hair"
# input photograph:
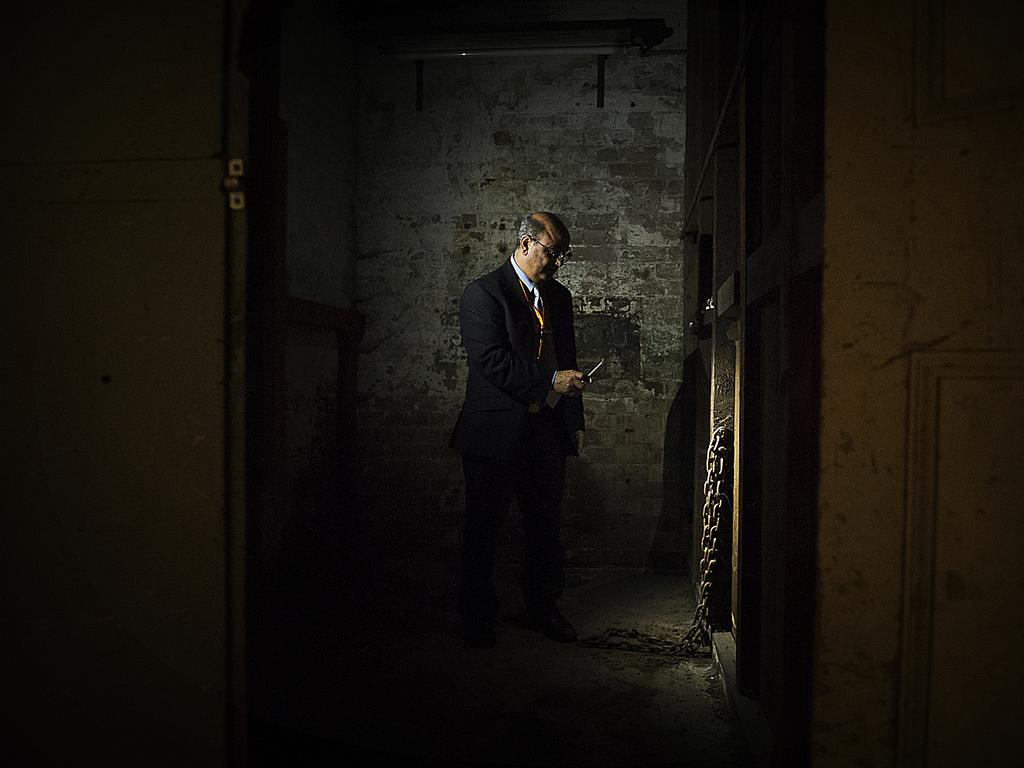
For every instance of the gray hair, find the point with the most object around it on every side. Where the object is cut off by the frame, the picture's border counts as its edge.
(537, 223)
(529, 227)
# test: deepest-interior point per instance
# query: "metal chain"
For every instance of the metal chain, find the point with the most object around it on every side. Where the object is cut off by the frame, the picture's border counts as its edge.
(697, 640)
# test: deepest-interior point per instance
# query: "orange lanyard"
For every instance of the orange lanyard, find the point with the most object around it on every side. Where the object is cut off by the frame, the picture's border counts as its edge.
(540, 317)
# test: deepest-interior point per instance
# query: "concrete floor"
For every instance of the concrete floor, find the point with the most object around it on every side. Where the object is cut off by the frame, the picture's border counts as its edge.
(401, 688)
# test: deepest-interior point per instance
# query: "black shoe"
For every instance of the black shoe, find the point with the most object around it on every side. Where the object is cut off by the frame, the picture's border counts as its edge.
(479, 633)
(554, 625)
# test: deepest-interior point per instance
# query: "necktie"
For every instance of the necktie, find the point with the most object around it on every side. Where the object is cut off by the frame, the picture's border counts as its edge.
(538, 303)
(538, 310)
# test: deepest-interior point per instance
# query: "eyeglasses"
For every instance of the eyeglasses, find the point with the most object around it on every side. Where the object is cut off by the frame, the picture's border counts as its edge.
(559, 257)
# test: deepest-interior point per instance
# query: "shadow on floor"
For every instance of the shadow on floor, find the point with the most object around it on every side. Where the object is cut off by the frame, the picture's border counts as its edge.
(343, 675)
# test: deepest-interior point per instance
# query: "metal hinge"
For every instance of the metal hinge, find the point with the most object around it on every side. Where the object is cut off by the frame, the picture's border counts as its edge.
(232, 184)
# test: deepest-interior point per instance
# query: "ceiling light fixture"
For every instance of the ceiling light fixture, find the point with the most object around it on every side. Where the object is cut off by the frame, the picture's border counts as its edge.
(580, 38)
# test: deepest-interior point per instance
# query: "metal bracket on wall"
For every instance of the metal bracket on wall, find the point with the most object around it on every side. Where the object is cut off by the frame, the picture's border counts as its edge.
(602, 58)
(708, 313)
(570, 38)
(232, 184)
(701, 321)
(419, 85)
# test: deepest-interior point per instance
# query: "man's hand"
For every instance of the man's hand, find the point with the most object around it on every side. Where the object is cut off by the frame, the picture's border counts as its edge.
(569, 383)
(580, 435)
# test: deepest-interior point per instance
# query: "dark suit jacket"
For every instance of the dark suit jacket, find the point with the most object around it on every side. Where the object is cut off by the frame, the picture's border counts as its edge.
(500, 337)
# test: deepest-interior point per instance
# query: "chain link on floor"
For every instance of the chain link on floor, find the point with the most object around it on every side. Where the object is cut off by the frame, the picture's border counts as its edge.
(696, 641)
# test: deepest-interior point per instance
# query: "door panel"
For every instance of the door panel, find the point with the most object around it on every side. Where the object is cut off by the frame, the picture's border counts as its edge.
(113, 81)
(120, 551)
(971, 588)
(964, 534)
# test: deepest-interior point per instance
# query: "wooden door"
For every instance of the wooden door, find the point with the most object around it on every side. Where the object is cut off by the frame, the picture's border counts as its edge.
(121, 404)
(918, 624)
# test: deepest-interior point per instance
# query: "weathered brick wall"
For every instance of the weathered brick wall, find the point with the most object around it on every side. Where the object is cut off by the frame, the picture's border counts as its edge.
(440, 194)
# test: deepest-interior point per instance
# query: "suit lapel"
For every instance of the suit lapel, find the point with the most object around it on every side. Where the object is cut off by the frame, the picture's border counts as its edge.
(519, 307)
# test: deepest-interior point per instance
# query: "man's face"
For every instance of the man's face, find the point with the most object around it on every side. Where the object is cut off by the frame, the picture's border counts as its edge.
(541, 255)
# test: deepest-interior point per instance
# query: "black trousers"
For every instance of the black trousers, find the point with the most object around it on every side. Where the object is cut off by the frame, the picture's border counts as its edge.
(536, 479)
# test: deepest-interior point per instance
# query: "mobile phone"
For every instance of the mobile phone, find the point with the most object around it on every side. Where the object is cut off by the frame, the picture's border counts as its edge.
(594, 370)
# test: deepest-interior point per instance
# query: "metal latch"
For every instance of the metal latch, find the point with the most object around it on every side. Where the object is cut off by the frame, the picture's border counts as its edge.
(233, 184)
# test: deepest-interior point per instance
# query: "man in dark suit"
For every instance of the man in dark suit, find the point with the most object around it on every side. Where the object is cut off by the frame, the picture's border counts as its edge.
(523, 414)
